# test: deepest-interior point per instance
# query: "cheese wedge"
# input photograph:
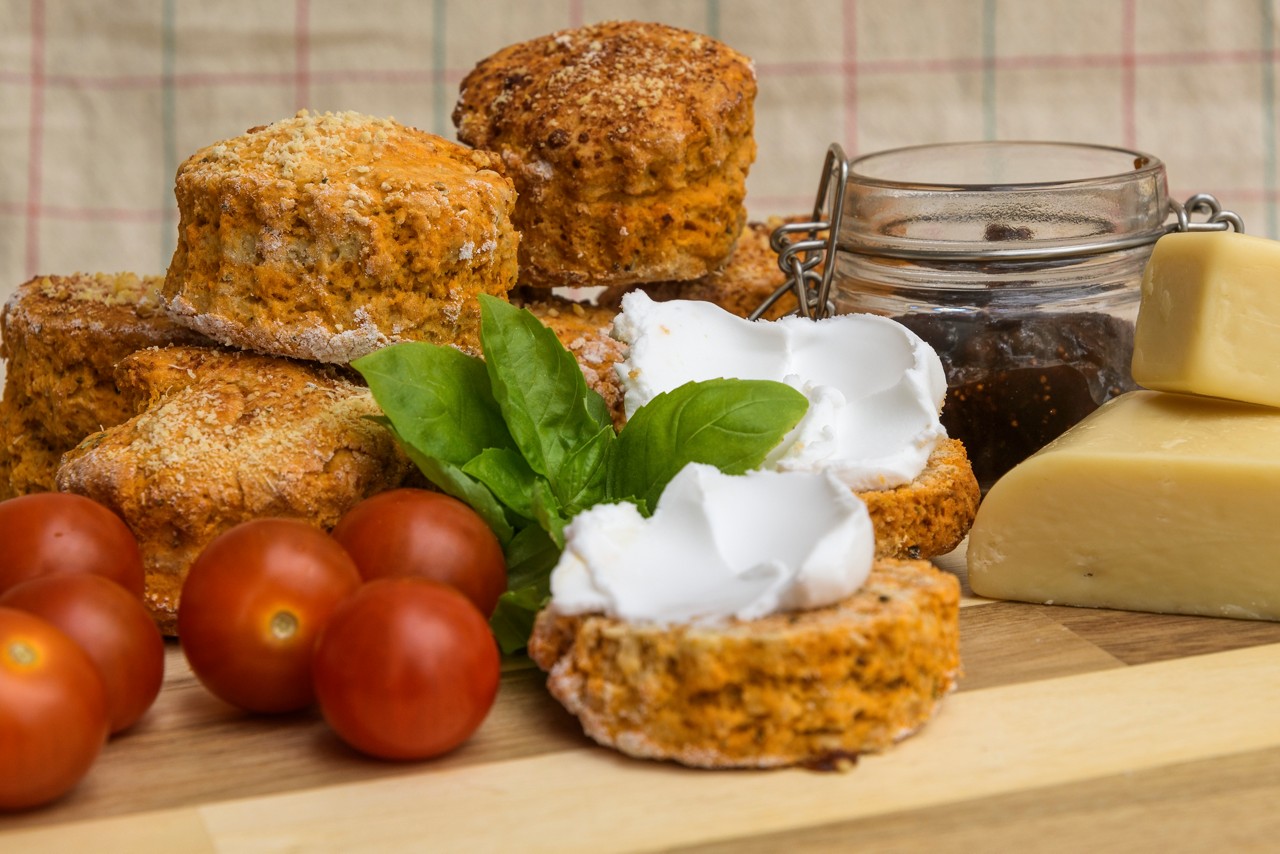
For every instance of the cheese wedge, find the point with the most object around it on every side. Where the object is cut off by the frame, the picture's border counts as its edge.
(1155, 502)
(1209, 321)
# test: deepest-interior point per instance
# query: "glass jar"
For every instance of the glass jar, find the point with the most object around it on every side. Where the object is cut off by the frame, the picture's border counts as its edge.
(1019, 262)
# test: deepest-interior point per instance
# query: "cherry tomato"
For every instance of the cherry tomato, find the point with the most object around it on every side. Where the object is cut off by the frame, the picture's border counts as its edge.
(112, 626)
(406, 669)
(53, 711)
(427, 534)
(59, 532)
(252, 605)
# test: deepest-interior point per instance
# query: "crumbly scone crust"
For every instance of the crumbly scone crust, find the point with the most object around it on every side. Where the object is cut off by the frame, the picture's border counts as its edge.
(28, 463)
(931, 515)
(327, 236)
(750, 276)
(586, 332)
(223, 437)
(629, 144)
(61, 337)
(791, 688)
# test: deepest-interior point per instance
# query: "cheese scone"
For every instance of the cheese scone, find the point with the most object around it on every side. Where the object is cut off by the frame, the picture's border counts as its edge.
(746, 280)
(931, 515)
(61, 337)
(28, 462)
(223, 437)
(803, 687)
(327, 236)
(629, 144)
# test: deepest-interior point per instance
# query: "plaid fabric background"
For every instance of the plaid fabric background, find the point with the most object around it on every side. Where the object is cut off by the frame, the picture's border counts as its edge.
(100, 100)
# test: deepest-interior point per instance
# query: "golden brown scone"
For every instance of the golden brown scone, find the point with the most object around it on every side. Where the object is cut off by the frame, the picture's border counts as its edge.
(629, 144)
(223, 437)
(931, 515)
(750, 276)
(584, 330)
(28, 463)
(327, 236)
(802, 687)
(61, 337)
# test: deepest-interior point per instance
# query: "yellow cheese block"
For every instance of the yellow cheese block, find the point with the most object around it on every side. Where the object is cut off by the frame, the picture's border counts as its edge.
(1155, 502)
(1209, 322)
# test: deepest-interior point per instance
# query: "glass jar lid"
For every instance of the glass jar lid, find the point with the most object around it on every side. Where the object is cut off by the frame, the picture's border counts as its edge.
(981, 202)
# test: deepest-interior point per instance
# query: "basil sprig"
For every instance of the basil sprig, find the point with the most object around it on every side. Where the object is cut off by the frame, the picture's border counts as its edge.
(521, 438)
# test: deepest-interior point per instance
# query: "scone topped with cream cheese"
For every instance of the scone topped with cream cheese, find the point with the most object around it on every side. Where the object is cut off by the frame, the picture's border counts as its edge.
(875, 392)
(745, 624)
(327, 236)
(629, 144)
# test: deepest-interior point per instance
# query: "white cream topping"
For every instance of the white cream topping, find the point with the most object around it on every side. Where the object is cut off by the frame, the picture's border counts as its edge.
(874, 387)
(718, 546)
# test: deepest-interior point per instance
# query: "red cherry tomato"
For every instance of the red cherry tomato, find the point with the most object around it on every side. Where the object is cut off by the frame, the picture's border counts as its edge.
(406, 669)
(252, 605)
(427, 534)
(48, 533)
(53, 712)
(112, 626)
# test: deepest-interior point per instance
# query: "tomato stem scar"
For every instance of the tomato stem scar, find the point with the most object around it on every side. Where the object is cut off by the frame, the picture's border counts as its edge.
(283, 625)
(22, 653)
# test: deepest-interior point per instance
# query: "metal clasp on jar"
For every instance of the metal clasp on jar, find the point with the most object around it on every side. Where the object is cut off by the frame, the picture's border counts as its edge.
(806, 250)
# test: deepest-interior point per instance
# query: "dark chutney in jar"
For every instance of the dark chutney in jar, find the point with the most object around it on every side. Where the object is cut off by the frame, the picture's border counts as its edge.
(1016, 382)
(1019, 262)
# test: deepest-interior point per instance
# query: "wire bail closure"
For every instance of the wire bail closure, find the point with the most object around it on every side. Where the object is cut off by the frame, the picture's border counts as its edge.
(807, 257)
(801, 258)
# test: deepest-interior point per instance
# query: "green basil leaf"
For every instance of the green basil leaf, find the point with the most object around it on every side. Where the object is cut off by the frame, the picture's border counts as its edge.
(539, 388)
(597, 408)
(531, 555)
(512, 620)
(584, 475)
(508, 477)
(438, 399)
(728, 423)
(548, 512)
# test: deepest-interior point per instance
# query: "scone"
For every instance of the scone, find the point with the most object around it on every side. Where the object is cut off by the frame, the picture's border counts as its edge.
(223, 437)
(61, 337)
(28, 462)
(629, 145)
(751, 275)
(584, 330)
(931, 515)
(325, 237)
(808, 687)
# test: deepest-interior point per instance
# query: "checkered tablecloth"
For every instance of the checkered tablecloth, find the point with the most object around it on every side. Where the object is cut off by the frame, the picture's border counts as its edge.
(100, 100)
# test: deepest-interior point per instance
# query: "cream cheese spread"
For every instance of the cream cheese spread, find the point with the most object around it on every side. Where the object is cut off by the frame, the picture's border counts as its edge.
(875, 388)
(718, 546)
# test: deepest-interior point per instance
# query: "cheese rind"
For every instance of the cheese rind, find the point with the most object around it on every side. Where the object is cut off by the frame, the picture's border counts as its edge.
(1209, 321)
(1155, 502)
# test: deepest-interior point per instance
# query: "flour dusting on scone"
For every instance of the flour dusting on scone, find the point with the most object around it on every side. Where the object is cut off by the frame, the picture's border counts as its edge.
(60, 337)
(326, 236)
(223, 437)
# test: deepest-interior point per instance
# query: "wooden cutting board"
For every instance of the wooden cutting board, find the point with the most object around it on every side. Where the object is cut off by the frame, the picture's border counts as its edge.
(1072, 730)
